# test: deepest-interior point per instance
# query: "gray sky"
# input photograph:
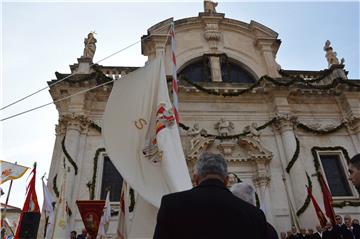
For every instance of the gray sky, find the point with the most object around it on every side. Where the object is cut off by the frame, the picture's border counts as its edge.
(39, 38)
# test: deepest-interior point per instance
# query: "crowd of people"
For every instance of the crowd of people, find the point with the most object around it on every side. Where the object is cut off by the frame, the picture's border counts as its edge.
(350, 229)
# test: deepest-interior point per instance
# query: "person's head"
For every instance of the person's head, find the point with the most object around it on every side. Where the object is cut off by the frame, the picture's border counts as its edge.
(302, 231)
(282, 235)
(73, 235)
(347, 220)
(338, 219)
(318, 228)
(328, 226)
(244, 191)
(210, 166)
(354, 171)
(84, 232)
(355, 221)
(289, 233)
(310, 231)
(293, 230)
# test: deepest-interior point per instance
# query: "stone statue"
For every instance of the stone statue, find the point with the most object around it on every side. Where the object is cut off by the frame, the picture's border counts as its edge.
(224, 127)
(209, 6)
(253, 132)
(90, 47)
(330, 54)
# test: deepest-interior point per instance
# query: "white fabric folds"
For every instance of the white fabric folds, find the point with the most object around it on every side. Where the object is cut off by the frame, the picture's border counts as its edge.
(141, 134)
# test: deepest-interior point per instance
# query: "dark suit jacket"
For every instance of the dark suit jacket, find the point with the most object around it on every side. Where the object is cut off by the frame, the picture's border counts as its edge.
(208, 211)
(331, 234)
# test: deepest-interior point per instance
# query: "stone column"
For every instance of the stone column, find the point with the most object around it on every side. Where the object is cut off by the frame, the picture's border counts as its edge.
(75, 125)
(261, 182)
(297, 173)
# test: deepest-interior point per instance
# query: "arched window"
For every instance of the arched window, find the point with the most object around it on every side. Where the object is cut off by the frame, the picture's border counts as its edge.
(199, 70)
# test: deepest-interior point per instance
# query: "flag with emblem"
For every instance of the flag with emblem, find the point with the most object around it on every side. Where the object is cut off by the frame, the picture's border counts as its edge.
(30, 215)
(11, 171)
(141, 134)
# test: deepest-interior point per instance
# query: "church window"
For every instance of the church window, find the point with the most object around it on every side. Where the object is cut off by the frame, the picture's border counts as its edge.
(199, 70)
(111, 180)
(334, 167)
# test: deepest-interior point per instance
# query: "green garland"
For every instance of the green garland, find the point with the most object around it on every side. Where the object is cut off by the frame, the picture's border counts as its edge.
(91, 184)
(317, 168)
(68, 155)
(295, 156)
(55, 188)
(307, 200)
(292, 81)
(132, 200)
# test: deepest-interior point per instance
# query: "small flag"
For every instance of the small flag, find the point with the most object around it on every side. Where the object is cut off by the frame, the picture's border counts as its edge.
(105, 218)
(11, 171)
(319, 212)
(90, 211)
(48, 207)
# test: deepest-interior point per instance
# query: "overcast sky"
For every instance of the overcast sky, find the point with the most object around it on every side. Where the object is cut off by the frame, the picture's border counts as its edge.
(40, 38)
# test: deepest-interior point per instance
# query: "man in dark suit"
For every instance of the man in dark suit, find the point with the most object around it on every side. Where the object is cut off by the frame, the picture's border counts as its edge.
(209, 210)
(354, 171)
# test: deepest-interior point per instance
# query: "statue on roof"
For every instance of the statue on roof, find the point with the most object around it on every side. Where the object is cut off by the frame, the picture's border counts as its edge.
(330, 54)
(209, 6)
(90, 47)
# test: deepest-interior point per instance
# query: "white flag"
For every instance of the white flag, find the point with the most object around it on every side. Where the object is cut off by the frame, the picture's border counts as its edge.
(141, 135)
(62, 227)
(48, 207)
(11, 171)
(105, 218)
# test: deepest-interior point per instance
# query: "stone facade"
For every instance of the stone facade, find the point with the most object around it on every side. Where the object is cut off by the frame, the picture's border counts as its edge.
(300, 115)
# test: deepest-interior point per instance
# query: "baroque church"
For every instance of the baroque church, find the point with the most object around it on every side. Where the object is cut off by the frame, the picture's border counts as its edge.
(278, 129)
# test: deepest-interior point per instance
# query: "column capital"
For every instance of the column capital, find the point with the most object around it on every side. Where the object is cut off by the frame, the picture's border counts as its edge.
(74, 122)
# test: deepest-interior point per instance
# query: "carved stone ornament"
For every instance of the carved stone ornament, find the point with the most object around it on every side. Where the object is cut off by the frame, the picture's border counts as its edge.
(198, 143)
(224, 127)
(73, 121)
(255, 150)
(212, 32)
(226, 147)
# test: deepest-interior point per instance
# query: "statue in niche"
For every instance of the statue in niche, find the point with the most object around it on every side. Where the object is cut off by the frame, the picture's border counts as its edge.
(330, 54)
(253, 132)
(90, 47)
(224, 127)
(209, 6)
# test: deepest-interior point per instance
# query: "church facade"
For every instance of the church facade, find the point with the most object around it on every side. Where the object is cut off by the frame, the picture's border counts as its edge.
(278, 129)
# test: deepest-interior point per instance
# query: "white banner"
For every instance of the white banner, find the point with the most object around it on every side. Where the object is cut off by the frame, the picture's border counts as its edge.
(141, 135)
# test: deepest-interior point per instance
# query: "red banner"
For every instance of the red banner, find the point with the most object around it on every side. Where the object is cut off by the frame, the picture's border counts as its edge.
(91, 211)
(329, 210)
(319, 212)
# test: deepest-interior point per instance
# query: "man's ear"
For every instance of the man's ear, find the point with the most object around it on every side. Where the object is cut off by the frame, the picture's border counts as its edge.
(226, 180)
(196, 179)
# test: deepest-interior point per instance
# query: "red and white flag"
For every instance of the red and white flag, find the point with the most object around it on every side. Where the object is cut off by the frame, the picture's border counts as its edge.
(141, 134)
(31, 206)
(319, 212)
(327, 197)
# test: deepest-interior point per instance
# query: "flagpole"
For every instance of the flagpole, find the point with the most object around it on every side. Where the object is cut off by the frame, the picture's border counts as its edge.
(7, 200)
